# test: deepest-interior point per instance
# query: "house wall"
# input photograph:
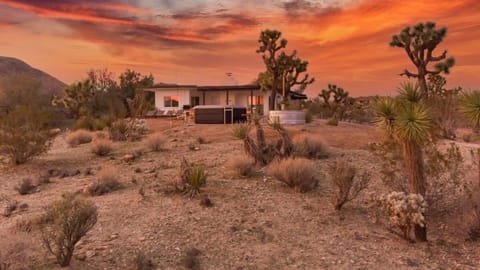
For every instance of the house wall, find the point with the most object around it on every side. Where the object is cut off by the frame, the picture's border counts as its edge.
(237, 98)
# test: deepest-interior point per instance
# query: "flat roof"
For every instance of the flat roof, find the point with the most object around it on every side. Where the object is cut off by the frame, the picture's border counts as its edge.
(206, 88)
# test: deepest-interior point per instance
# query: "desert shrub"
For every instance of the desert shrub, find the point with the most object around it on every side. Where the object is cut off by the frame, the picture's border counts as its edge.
(101, 135)
(130, 129)
(332, 122)
(156, 142)
(107, 181)
(243, 165)
(347, 185)
(92, 123)
(404, 211)
(190, 259)
(309, 146)
(201, 140)
(192, 178)
(78, 137)
(240, 131)
(16, 252)
(142, 262)
(298, 173)
(64, 223)
(25, 186)
(102, 147)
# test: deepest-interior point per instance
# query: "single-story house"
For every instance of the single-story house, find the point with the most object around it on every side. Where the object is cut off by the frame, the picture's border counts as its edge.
(171, 97)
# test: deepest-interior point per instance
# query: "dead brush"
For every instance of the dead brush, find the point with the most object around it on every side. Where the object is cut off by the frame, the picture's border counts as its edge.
(298, 173)
(25, 186)
(78, 137)
(10, 207)
(242, 165)
(142, 262)
(107, 181)
(201, 140)
(309, 146)
(345, 179)
(64, 223)
(192, 178)
(156, 142)
(102, 147)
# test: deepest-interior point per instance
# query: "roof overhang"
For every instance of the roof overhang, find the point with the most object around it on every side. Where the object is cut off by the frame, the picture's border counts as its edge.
(210, 88)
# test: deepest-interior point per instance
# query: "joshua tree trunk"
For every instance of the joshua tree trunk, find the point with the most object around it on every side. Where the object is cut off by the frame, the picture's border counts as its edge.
(412, 153)
(422, 83)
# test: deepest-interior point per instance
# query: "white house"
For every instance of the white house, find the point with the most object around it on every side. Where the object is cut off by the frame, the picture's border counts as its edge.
(172, 97)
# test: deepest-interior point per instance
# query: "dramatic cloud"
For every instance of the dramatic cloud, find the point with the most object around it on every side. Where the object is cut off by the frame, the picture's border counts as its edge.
(345, 41)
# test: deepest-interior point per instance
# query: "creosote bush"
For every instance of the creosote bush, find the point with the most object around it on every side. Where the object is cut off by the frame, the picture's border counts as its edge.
(345, 179)
(309, 146)
(25, 186)
(298, 173)
(240, 131)
(156, 142)
(102, 147)
(404, 211)
(107, 181)
(78, 137)
(242, 165)
(64, 223)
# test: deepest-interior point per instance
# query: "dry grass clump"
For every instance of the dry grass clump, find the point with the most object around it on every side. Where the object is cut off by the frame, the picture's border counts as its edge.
(309, 146)
(23, 226)
(64, 223)
(25, 186)
(16, 252)
(343, 177)
(78, 137)
(107, 181)
(201, 140)
(10, 207)
(156, 142)
(102, 147)
(242, 165)
(298, 173)
(101, 134)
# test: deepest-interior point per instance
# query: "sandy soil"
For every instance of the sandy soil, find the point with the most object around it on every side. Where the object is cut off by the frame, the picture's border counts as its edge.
(255, 223)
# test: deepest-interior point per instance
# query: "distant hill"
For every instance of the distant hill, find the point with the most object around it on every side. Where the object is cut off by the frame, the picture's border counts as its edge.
(11, 66)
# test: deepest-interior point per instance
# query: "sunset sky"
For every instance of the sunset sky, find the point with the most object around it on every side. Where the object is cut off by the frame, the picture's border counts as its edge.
(197, 42)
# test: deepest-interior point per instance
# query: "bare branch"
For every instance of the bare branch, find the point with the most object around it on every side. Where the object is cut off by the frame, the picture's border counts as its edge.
(408, 74)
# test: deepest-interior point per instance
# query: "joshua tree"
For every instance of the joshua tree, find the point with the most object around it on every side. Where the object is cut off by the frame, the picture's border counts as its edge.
(419, 43)
(283, 70)
(340, 96)
(407, 120)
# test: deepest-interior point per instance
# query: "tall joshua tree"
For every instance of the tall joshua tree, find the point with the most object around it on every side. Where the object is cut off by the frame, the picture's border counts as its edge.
(284, 71)
(408, 121)
(419, 43)
(340, 96)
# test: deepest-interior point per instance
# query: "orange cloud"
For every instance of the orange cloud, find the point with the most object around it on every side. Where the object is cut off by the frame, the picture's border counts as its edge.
(345, 43)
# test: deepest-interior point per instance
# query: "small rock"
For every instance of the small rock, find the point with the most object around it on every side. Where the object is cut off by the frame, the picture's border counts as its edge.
(81, 257)
(206, 202)
(128, 157)
(138, 170)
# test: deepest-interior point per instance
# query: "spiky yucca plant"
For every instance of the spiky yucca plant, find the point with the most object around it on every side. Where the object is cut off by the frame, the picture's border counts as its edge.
(407, 120)
(470, 107)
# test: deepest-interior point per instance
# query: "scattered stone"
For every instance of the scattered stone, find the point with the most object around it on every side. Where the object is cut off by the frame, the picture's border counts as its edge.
(90, 253)
(128, 157)
(81, 257)
(53, 172)
(138, 170)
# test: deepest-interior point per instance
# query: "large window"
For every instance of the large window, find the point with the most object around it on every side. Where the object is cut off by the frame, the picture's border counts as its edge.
(170, 101)
(194, 101)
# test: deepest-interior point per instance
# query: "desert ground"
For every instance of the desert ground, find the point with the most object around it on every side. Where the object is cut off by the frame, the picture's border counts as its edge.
(255, 222)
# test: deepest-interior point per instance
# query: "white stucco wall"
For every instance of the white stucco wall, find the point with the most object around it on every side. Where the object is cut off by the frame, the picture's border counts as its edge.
(182, 94)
